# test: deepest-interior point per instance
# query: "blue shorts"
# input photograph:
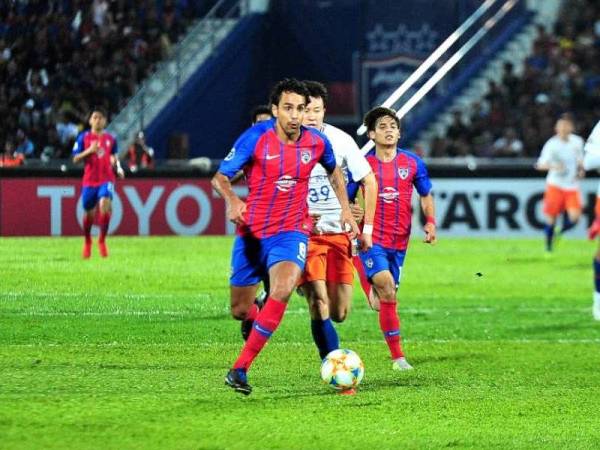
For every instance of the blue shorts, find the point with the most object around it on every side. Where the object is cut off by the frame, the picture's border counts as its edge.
(379, 258)
(91, 195)
(251, 258)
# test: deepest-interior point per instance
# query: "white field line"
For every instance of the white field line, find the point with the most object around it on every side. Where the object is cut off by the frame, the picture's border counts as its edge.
(309, 344)
(101, 296)
(196, 312)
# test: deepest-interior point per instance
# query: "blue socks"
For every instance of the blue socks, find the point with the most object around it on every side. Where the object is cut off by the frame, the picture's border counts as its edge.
(325, 336)
(549, 231)
(567, 224)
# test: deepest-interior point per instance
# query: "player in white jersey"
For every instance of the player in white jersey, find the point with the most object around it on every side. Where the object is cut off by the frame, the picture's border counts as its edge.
(592, 161)
(329, 273)
(562, 158)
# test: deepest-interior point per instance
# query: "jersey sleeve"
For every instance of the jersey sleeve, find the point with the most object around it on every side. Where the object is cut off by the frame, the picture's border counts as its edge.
(78, 145)
(547, 155)
(115, 147)
(358, 165)
(241, 153)
(327, 159)
(422, 182)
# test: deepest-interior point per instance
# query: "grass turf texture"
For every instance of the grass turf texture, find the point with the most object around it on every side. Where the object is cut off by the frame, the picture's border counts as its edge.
(131, 352)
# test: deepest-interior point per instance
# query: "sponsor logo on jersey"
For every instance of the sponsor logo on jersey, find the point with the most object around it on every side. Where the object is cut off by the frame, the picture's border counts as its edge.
(285, 183)
(403, 172)
(269, 157)
(369, 263)
(389, 195)
(230, 155)
(305, 156)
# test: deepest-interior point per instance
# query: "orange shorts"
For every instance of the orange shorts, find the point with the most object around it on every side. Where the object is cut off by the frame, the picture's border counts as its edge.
(329, 258)
(597, 208)
(557, 200)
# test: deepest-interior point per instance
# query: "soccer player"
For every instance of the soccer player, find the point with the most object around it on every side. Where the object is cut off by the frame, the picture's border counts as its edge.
(562, 158)
(260, 113)
(98, 149)
(592, 161)
(273, 224)
(397, 171)
(329, 273)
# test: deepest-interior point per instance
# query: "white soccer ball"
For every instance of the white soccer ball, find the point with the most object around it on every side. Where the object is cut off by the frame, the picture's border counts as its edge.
(342, 369)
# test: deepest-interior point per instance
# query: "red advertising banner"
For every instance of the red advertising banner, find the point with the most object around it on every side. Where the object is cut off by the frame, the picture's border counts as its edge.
(162, 206)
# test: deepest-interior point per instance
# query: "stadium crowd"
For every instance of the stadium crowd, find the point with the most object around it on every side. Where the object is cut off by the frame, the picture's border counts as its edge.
(58, 58)
(518, 114)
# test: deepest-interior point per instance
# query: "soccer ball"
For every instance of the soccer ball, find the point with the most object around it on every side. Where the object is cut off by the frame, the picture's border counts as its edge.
(342, 369)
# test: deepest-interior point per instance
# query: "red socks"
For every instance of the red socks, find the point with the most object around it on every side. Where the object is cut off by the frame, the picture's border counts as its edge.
(265, 324)
(389, 323)
(104, 221)
(87, 228)
(252, 313)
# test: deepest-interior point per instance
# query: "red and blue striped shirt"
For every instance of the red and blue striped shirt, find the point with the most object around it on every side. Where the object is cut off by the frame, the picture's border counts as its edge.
(277, 176)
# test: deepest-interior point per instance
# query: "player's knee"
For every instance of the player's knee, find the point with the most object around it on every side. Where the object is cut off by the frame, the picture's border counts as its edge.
(239, 312)
(339, 315)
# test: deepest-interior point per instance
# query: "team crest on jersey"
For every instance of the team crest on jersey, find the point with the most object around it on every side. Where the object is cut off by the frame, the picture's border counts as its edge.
(230, 155)
(305, 156)
(369, 263)
(100, 153)
(403, 172)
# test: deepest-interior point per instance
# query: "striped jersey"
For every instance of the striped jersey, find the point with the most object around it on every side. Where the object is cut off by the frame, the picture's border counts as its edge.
(98, 168)
(396, 178)
(277, 176)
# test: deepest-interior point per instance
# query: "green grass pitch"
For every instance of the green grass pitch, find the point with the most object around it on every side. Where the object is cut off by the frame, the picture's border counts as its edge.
(130, 352)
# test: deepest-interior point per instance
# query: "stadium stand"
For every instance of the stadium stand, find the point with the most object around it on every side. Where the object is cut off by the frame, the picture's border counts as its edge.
(518, 114)
(59, 58)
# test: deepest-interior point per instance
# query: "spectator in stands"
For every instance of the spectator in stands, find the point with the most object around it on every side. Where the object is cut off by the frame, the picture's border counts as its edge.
(139, 155)
(9, 158)
(24, 145)
(508, 144)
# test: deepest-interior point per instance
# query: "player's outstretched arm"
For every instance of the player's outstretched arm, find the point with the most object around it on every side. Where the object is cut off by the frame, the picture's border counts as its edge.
(370, 184)
(236, 208)
(339, 187)
(428, 208)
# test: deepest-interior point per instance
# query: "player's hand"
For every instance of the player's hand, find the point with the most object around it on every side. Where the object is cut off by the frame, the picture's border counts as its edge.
(236, 209)
(314, 220)
(94, 147)
(366, 241)
(349, 224)
(430, 237)
(357, 212)
(120, 172)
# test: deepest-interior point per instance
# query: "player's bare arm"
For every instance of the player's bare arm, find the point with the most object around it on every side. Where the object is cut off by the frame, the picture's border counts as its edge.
(428, 208)
(559, 167)
(236, 208)
(117, 165)
(339, 187)
(87, 152)
(370, 188)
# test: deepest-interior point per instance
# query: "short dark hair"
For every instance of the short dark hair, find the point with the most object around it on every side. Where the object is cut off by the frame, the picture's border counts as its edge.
(258, 110)
(288, 85)
(316, 90)
(567, 116)
(377, 113)
(99, 109)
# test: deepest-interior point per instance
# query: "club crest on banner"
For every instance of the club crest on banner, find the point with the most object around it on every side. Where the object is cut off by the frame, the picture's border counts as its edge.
(403, 172)
(305, 156)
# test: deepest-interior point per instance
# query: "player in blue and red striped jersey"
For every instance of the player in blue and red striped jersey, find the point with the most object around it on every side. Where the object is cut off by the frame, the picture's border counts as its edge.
(277, 156)
(397, 172)
(98, 149)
